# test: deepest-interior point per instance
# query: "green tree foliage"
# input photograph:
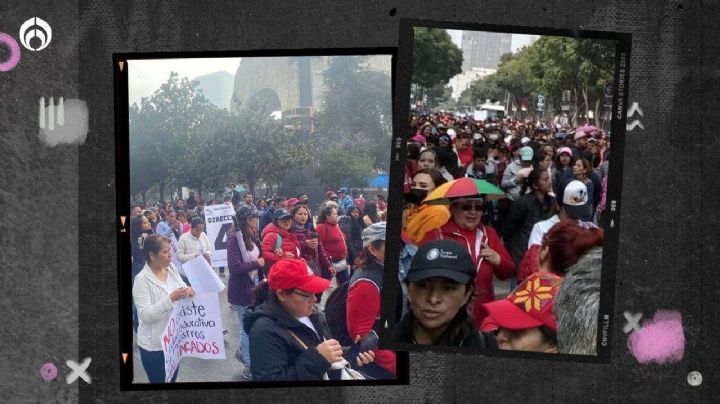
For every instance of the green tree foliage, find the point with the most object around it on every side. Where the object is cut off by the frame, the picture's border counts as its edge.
(436, 59)
(481, 90)
(340, 166)
(355, 121)
(549, 66)
(178, 137)
(252, 147)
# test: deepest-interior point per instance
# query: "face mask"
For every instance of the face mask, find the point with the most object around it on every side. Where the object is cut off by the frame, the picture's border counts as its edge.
(416, 196)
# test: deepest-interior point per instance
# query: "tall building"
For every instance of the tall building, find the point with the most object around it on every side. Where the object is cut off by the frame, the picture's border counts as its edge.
(217, 88)
(484, 49)
(464, 80)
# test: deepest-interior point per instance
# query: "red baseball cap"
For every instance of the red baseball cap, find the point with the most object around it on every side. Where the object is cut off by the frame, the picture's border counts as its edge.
(293, 273)
(292, 202)
(529, 305)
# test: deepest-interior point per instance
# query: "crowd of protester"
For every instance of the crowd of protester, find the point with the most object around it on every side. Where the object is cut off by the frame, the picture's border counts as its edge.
(281, 259)
(540, 231)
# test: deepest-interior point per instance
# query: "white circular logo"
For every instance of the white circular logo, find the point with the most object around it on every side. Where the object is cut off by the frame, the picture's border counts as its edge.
(433, 254)
(35, 28)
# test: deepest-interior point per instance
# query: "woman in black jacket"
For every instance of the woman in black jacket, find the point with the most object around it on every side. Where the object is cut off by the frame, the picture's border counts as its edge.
(352, 227)
(528, 209)
(440, 282)
(289, 337)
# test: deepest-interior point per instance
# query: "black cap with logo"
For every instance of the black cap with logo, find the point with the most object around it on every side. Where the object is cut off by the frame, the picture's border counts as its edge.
(442, 258)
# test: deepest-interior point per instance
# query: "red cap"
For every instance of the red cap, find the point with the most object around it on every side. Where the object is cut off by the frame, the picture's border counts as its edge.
(292, 202)
(529, 305)
(293, 273)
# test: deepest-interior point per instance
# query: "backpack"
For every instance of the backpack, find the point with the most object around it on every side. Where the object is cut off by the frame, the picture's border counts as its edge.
(336, 305)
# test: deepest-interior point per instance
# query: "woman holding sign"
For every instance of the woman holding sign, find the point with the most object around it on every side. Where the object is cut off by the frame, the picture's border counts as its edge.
(194, 243)
(157, 287)
(244, 264)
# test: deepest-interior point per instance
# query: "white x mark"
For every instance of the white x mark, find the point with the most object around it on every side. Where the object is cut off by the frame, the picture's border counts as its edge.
(78, 370)
(633, 321)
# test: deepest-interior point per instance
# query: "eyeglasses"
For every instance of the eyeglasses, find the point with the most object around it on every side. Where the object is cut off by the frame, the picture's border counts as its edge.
(308, 298)
(469, 207)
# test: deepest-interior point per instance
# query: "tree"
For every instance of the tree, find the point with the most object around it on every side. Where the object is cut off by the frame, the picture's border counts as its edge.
(251, 146)
(482, 89)
(162, 135)
(436, 59)
(341, 166)
(356, 113)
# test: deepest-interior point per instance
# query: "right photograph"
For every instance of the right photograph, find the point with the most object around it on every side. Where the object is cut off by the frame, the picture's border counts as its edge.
(508, 140)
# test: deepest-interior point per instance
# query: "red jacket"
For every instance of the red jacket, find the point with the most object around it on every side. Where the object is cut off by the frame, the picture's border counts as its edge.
(363, 309)
(290, 244)
(484, 292)
(333, 240)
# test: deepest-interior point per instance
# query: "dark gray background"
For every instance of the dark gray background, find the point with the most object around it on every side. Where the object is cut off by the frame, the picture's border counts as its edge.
(58, 249)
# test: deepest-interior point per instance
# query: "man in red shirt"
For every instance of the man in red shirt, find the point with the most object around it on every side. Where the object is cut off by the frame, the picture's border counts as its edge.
(363, 301)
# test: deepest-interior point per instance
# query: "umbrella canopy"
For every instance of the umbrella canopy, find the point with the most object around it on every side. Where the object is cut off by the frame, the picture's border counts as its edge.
(381, 180)
(463, 187)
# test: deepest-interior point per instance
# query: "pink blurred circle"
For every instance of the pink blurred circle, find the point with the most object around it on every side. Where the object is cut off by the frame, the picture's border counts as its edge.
(48, 371)
(14, 52)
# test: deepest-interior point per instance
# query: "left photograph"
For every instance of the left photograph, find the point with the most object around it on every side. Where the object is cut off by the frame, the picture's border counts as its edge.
(252, 193)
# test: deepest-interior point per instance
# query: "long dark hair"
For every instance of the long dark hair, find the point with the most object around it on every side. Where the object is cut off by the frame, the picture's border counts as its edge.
(371, 211)
(295, 210)
(242, 226)
(532, 180)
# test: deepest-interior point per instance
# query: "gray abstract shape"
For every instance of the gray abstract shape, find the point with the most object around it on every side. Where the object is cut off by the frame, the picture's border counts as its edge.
(67, 122)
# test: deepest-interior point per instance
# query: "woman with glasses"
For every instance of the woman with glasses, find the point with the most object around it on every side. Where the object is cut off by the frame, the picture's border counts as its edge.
(289, 337)
(482, 242)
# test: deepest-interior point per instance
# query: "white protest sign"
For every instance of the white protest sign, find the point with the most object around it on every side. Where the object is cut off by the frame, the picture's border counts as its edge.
(194, 330)
(202, 277)
(218, 219)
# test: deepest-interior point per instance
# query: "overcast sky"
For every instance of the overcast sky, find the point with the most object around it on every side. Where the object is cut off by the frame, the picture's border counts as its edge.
(517, 42)
(146, 76)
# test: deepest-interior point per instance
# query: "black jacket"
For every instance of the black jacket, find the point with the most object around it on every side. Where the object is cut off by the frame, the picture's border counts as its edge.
(354, 245)
(523, 214)
(275, 354)
(472, 338)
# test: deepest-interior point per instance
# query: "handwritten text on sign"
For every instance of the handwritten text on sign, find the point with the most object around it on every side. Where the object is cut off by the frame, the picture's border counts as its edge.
(218, 219)
(195, 330)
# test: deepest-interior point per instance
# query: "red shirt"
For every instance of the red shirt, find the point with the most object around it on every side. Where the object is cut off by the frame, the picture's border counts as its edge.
(363, 308)
(466, 156)
(333, 240)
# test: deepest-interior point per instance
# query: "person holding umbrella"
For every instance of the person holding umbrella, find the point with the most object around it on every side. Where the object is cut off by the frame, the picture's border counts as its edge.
(466, 197)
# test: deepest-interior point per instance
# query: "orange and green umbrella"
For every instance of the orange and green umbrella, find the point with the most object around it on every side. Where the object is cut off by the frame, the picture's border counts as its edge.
(463, 188)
